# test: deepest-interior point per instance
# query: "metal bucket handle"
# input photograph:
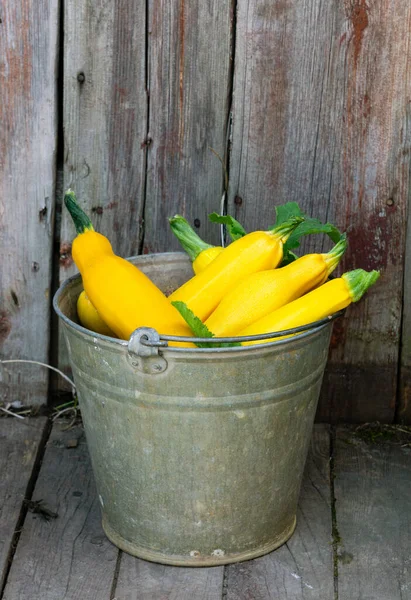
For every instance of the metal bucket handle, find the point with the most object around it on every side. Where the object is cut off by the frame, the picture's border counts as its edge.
(145, 342)
(143, 353)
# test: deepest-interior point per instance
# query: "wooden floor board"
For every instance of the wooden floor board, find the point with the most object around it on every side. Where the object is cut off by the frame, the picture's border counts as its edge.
(373, 510)
(141, 580)
(67, 557)
(303, 567)
(19, 446)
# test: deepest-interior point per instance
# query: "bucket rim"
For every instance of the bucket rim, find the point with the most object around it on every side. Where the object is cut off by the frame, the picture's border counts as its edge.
(296, 333)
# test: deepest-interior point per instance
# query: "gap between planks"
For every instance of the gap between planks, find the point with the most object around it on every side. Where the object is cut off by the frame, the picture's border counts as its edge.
(69, 557)
(373, 514)
(301, 569)
(22, 450)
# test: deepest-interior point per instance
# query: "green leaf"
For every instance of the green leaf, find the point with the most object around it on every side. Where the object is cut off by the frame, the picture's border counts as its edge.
(197, 326)
(235, 229)
(307, 227)
(310, 226)
(285, 211)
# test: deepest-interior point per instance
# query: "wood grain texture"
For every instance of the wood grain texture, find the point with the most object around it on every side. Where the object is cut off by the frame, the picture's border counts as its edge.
(374, 183)
(321, 97)
(404, 400)
(303, 567)
(164, 92)
(67, 557)
(28, 139)
(105, 120)
(189, 79)
(105, 124)
(19, 445)
(285, 65)
(141, 580)
(373, 502)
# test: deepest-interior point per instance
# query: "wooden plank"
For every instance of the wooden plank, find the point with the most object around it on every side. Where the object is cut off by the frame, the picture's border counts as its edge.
(404, 400)
(107, 135)
(105, 120)
(321, 93)
(373, 503)
(69, 556)
(189, 78)
(105, 124)
(303, 567)
(28, 76)
(141, 580)
(374, 182)
(19, 445)
(285, 65)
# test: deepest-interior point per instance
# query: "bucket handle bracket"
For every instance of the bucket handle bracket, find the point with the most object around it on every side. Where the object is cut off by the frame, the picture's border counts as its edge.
(143, 351)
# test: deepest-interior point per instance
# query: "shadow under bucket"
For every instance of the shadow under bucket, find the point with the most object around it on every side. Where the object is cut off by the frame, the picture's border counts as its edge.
(198, 462)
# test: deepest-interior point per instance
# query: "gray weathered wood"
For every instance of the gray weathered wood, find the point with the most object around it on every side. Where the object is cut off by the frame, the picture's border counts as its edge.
(67, 557)
(186, 67)
(105, 120)
(189, 78)
(321, 94)
(404, 404)
(285, 64)
(373, 507)
(28, 140)
(105, 123)
(19, 445)
(371, 185)
(303, 567)
(141, 580)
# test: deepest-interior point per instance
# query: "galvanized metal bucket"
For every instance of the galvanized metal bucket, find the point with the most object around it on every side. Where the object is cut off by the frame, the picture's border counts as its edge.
(198, 454)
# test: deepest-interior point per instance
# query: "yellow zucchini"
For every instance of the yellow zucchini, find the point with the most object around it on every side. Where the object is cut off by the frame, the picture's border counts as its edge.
(318, 304)
(200, 253)
(263, 292)
(124, 297)
(256, 251)
(205, 257)
(89, 317)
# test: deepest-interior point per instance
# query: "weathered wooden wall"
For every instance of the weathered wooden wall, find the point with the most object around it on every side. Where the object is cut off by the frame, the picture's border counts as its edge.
(318, 96)
(321, 98)
(404, 400)
(145, 98)
(28, 142)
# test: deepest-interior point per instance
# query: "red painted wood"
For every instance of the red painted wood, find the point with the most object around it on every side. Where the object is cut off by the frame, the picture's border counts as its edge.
(321, 97)
(28, 143)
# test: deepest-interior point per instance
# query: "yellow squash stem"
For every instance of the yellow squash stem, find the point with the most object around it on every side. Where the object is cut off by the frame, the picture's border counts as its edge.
(89, 317)
(263, 292)
(256, 251)
(200, 253)
(124, 297)
(322, 302)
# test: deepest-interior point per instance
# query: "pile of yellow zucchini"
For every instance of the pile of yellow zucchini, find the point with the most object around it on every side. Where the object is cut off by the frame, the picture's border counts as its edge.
(240, 290)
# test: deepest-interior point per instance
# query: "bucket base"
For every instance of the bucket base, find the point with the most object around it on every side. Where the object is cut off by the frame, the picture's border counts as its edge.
(194, 561)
